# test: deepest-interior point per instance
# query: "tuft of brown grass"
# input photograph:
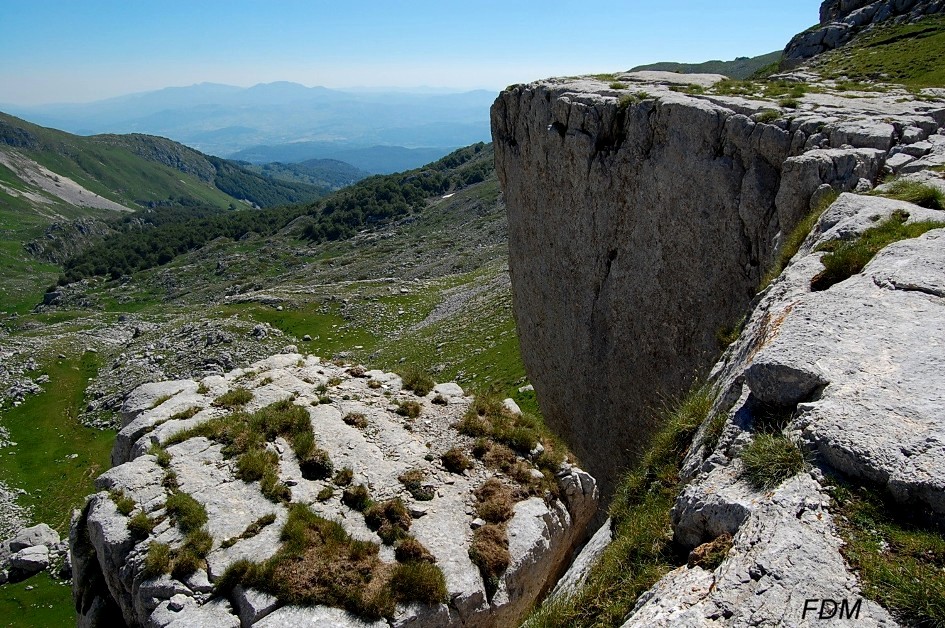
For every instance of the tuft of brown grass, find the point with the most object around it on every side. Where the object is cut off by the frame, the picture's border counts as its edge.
(455, 461)
(490, 552)
(494, 501)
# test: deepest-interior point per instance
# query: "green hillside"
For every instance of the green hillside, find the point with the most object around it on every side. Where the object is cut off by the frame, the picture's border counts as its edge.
(739, 68)
(894, 53)
(146, 171)
(329, 173)
(374, 201)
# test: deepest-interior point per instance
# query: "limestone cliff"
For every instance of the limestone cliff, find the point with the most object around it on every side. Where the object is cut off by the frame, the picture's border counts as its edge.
(641, 221)
(641, 218)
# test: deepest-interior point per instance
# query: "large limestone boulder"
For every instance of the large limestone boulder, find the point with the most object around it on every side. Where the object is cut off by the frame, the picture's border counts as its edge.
(354, 418)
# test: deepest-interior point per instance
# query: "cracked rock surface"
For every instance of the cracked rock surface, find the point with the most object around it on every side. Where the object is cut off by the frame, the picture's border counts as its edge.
(108, 560)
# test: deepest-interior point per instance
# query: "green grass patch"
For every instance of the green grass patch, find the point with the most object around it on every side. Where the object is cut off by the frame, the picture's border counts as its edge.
(921, 194)
(898, 555)
(48, 433)
(47, 603)
(909, 54)
(847, 258)
(795, 239)
(239, 396)
(642, 550)
(186, 512)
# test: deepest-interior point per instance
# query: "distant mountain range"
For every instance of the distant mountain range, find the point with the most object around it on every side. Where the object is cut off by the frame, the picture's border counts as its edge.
(739, 68)
(224, 120)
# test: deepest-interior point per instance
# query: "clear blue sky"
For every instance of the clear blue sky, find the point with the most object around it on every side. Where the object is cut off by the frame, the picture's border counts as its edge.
(72, 51)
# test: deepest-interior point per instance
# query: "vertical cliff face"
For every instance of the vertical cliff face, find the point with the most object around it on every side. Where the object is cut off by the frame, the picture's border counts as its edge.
(641, 221)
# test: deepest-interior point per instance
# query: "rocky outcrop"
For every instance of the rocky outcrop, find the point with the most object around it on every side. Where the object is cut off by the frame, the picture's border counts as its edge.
(354, 419)
(32, 550)
(856, 372)
(641, 219)
(841, 20)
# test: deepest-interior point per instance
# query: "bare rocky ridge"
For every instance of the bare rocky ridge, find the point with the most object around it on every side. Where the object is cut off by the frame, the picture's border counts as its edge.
(641, 220)
(109, 561)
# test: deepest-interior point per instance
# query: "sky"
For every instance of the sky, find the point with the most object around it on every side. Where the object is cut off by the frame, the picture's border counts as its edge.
(80, 51)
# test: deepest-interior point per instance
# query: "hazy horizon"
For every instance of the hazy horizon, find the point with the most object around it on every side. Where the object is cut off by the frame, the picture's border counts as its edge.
(56, 51)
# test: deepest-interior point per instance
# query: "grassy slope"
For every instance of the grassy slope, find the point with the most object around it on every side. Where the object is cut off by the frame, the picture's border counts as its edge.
(908, 53)
(47, 434)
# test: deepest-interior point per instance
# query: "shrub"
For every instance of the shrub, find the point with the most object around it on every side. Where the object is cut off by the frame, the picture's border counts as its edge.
(439, 400)
(158, 560)
(409, 408)
(410, 550)
(418, 381)
(617, 85)
(413, 480)
(343, 477)
(356, 497)
(771, 459)
(239, 396)
(356, 419)
(325, 494)
(141, 525)
(418, 582)
(186, 512)
(373, 384)
(455, 461)
(122, 502)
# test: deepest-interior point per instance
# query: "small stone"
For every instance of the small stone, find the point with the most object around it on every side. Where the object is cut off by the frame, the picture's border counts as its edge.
(477, 523)
(177, 602)
(306, 338)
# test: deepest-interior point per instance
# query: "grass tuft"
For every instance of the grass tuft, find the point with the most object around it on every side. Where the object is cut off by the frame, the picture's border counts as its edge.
(846, 259)
(418, 381)
(158, 560)
(413, 480)
(239, 396)
(356, 497)
(490, 552)
(770, 459)
(455, 461)
(186, 512)
(921, 194)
